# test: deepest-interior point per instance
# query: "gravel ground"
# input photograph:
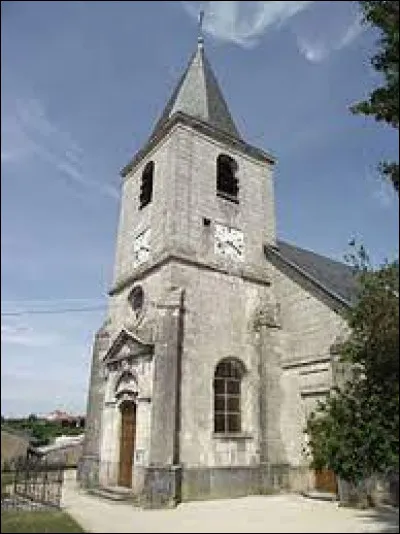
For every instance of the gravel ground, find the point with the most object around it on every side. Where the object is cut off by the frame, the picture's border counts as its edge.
(276, 513)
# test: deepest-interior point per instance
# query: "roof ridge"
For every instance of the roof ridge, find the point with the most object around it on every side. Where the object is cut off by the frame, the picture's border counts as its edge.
(308, 251)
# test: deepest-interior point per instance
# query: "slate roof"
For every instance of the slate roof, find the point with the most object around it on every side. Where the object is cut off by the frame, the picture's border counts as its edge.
(198, 95)
(332, 276)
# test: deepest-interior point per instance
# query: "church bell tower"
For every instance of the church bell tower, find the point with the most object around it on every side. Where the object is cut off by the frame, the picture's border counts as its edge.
(175, 394)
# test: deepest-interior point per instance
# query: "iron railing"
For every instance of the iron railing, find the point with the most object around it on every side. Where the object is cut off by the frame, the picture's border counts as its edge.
(32, 483)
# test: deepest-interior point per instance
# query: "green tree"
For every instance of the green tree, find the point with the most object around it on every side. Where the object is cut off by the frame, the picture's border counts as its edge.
(383, 102)
(356, 431)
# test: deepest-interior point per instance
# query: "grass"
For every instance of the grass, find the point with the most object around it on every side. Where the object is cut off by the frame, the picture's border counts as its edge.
(38, 521)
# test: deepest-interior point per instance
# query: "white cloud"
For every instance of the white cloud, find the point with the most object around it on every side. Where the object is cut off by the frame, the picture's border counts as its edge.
(381, 190)
(313, 52)
(27, 132)
(316, 50)
(351, 33)
(383, 193)
(243, 23)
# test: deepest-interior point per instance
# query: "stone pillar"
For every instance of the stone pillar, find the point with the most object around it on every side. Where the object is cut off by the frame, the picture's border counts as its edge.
(109, 444)
(273, 395)
(162, 476)
(273, 464)
(88, 468)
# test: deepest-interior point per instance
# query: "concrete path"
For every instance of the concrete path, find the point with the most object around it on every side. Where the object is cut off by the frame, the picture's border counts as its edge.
(278, 513)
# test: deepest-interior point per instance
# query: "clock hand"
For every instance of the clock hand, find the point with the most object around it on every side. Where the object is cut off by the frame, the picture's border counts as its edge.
(234, 246)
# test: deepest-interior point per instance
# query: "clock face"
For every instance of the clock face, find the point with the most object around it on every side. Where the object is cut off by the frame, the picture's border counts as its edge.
(229, 242)
(141, 247)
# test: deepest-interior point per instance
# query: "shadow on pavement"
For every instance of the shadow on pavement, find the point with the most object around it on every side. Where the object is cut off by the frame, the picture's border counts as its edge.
(386, 519)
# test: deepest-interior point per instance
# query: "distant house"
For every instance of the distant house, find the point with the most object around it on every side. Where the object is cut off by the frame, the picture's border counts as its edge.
(66, 419)
(58, 415)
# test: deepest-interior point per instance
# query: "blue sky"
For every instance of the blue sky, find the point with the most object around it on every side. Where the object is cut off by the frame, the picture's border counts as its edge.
(82, 86)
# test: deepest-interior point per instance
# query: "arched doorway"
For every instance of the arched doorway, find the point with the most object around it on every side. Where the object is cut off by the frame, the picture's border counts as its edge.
(127, 443)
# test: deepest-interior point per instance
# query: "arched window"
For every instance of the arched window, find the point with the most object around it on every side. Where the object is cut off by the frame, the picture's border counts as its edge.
(227, 381)
(146, 188)
(227, 182)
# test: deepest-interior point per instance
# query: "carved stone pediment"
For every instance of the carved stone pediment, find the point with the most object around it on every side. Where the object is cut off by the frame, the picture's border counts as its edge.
(127, 345)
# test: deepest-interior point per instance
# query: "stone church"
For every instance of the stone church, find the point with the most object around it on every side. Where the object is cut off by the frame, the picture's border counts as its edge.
(219, 338)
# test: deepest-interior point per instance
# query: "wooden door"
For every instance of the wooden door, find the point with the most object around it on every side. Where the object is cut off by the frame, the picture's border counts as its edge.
(325, 480)
(127, 443)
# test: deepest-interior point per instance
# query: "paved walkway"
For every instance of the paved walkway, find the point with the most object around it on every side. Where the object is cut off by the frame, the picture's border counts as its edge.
(277, 513)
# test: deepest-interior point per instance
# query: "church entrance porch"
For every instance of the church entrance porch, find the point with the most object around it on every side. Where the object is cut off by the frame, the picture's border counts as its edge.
(127, 371)
(127, 443)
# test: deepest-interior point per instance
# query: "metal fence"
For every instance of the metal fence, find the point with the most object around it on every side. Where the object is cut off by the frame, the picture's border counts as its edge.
(32, 483)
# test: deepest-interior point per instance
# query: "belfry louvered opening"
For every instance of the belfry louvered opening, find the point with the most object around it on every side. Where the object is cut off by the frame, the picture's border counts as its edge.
(146, 188)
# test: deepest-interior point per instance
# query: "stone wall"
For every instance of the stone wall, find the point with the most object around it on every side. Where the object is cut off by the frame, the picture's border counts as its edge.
(155, 285)
(218, 323)
(184, 193)
(311, 322)
(69, 455)
(88, 467)
(155, 215)
(193, 192)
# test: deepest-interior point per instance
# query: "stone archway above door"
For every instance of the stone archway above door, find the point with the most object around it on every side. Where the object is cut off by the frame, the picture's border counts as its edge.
(128, 355)
(127, 344)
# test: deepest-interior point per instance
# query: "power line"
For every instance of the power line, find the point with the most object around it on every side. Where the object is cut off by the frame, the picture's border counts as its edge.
(50, 301)
(51, 312)
(62, 310)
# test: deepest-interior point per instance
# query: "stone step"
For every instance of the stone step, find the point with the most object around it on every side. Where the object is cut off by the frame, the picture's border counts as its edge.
(115, 493)
(118, 490)
(320, 495)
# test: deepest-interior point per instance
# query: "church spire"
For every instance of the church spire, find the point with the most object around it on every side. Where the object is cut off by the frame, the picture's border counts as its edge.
(198, 94)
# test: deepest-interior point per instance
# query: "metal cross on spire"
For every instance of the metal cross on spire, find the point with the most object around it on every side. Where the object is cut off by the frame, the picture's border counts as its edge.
(200, 38)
